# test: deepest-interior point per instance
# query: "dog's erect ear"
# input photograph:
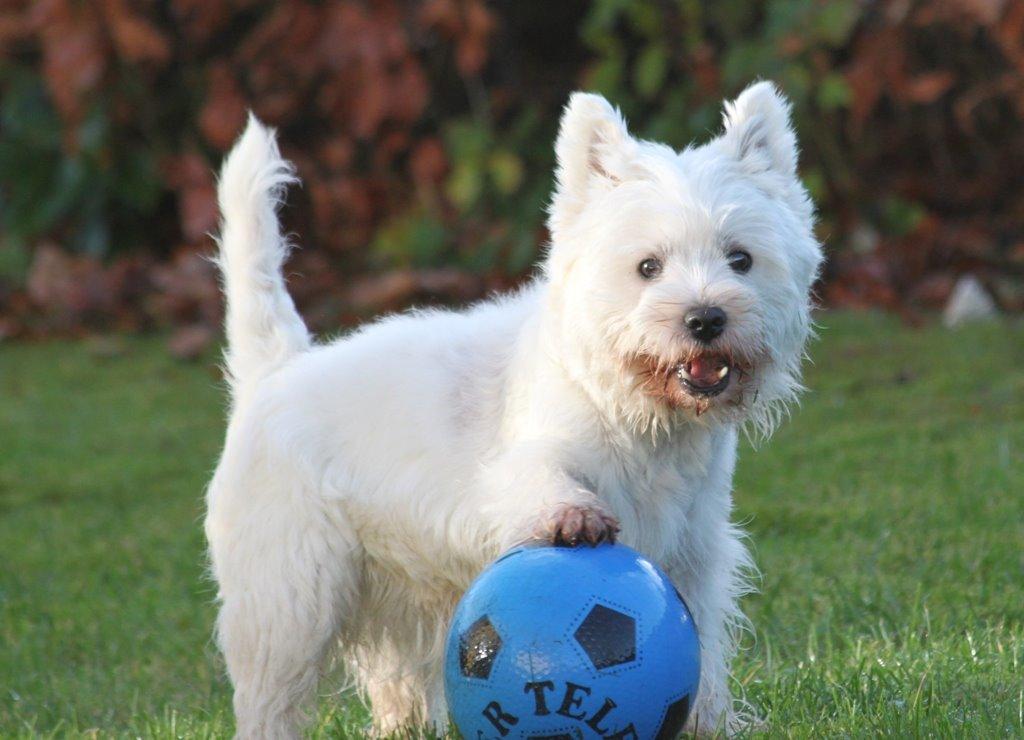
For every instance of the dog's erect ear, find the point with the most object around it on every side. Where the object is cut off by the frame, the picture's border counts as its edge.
(593, 150)
(759, 133)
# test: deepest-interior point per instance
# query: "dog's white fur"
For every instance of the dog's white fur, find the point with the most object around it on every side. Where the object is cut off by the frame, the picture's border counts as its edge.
(365, 482)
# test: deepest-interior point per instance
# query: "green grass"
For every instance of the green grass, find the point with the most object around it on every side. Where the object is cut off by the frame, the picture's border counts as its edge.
(887, 517)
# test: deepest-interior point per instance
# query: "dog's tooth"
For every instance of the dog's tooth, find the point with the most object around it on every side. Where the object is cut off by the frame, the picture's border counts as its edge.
(723, 372)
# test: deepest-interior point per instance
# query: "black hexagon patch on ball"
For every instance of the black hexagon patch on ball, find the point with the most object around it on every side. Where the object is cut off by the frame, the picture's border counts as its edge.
(478, 648)
(608, 637)
(675, 718)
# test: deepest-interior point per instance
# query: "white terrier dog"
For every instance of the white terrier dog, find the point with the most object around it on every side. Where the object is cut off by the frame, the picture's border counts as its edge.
(365, 482)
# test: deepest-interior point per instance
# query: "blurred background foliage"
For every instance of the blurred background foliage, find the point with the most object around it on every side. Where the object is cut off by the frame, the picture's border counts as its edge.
(423, 134)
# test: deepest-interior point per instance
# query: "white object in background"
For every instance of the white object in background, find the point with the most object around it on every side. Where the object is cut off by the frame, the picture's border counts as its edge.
(968, 302)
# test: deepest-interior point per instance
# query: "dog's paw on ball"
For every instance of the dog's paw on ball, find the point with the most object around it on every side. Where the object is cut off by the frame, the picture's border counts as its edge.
(574, 524)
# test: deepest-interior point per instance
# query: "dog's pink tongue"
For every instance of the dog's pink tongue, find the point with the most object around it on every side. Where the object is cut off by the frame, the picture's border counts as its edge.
(704, 370)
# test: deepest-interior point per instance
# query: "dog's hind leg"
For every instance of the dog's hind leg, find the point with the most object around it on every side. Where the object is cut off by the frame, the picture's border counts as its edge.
(394, 692)
(287, 568)
(396, 655)
(400, 668)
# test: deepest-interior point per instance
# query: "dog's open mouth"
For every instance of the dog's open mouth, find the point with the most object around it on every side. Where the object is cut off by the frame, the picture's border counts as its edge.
(705, 375)
(697, 381)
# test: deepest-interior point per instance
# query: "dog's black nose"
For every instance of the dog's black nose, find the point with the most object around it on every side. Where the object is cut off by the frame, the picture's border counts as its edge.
(705, 323)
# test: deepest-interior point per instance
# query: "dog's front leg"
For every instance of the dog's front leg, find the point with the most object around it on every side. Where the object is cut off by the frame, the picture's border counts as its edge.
(531, 495)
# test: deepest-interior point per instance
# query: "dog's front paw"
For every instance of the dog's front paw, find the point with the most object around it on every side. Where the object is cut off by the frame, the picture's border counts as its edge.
(571, 524)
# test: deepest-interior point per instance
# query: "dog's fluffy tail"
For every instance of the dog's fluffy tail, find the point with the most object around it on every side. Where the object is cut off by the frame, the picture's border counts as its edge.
(263, 328)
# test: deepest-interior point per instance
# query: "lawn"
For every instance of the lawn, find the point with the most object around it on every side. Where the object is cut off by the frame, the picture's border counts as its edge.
(887, 517)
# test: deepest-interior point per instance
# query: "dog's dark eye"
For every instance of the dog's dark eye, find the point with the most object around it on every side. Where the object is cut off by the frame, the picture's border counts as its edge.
(650, 268)
(740, 260)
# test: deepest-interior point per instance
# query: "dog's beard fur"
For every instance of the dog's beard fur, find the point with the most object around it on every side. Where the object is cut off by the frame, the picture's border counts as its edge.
(363, 482)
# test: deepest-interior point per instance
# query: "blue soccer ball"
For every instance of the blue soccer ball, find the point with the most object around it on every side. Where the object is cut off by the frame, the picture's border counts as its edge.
(559, 642)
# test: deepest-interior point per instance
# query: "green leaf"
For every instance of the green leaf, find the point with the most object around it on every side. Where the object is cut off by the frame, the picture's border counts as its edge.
(467, 139)
(417, 239)
(484, 255)
(899, 216)
(523, 252)
(606, 76)
(796, 81)
(833, 92)
(814, 181)
(836, 20)
(599, 25)
(506, 171)
(651, 69)
(137, 184)
(26, 114)
(15, 259)
(647, 19)
(93, 236)
(69, 189)
(465, 185)
(93, 131)
(748, 61)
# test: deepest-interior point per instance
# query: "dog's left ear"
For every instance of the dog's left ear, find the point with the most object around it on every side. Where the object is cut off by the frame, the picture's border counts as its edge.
(593, 150)
(759, 133)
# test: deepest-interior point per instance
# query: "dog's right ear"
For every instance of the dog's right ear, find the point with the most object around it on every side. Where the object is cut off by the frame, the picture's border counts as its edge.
(593, 150)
